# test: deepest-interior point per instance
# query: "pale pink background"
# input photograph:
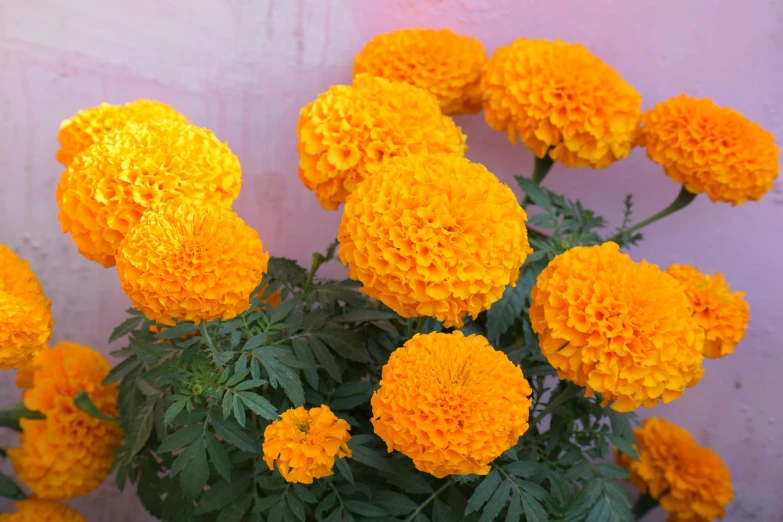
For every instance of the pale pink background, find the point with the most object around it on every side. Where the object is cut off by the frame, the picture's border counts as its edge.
(244, 69)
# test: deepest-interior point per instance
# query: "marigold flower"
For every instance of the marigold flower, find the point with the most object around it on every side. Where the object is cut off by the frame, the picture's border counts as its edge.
(37, 510)
(451, 403)
(711, 149)
(92, 125)
(108, 188)
(191, 263)
(304, 444)
(273, 299)
(25, 312)
(434, 235)
(439, 61)
(349, 132)
(69, 453)
(561, 100)
(689, 481)
(723, 314)
(620, 328)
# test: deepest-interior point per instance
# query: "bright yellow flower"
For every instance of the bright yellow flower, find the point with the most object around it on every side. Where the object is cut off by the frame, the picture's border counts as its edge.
(349, 132)
(558, 97)
(25, 312)
(711, 149)
(689, 481)
(304, 444)
(441, 62)
(36, 510)
(108, 188)
(69, 453)
(92, 125)
(617, 327)
(451, 403)
(434, 235)
(191, 263)
(723, 314)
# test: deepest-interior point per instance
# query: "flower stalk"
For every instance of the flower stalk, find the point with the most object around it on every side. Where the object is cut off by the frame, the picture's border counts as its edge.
(683, 199)
(644, 504)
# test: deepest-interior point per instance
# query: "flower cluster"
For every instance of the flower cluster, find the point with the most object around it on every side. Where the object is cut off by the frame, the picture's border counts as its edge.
(349, 132)
(36, 510)
(92, 125)
(451, 403)
(711, 149)
(723, 314)
(69, 453)
(617, 327)
(689, 481)
(304, 444)
(562, 101)
(441, 62)
(434, 235)
(25, 313)
(109, 186)
(191, 263)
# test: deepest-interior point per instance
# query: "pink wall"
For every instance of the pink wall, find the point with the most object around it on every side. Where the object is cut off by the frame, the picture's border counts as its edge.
(244, 68)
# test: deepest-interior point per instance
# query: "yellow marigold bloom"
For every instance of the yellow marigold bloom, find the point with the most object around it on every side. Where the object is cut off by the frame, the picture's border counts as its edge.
(304, 444)
(711, 149)
(36, 510)
(191, 263)
(25, 312)
(451, 403)
(723, 314)
(69, 453)
(349, 132)
(108, 188)
(689, 481)
(558, 97)
(434, 235)
(617, 327)
(441, 62)
(92, 125)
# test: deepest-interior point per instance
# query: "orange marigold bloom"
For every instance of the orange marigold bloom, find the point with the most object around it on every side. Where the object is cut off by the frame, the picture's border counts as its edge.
(451, 403)
(349, 132)
(25, 312)
(441, 62)
(620, 328)
(689, 481)
(36, 510)
(434, 235)
(304, 444)
(191, 263)
(561, 100)
(92, 125)
(711, 149)
(108, 188)
(69, 453)
(273, 299)
(723, 314)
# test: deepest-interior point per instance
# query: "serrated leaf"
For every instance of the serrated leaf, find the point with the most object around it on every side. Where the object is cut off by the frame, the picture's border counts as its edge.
(286, 271)
(173, 411)
(623, 445)
(258, 405)
(239, 410)
(523, 468)
(82, 401)
(496, 503)
(221, 495)
(393, 503)
(122, 369)
(344, 342)
(249, 385)
(125, 327)
(149, 353)
(183, 459)
(140, 428)
(364, 508)
(442, 513)
(534, 511)
(296, 506)
(180, 438)
(227, 404)
(194, 477)
(613, 471)
(235, 435)
(282, 375)
(514, 513)
(304, 494)
(219, 457)
(369, 457)
(532, 489)
(255, 342)
(503, 313)
(325, 505)
(483, 492)
(325, 358)
(235, 511)
(237, 377)
(536, 194)
(9, 489)
(344, 469)
(281, 311)
(276, 515)
(305, 354)
(358, 316)
(175, 332)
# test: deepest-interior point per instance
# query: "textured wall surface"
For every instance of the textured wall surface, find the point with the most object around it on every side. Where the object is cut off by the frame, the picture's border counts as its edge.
(245, 67)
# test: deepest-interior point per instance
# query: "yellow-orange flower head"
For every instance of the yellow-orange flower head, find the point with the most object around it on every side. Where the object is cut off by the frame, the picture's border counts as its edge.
(451, 403)
(434, 235)
(711, 149)
(191, 263)
(109, 186)
(69, 453)
(92, 125)
(349, 132)
(304, 444)
(689, 481)
(561, 100)
(723, 314)
(620, 328)
(441, 62)
(36, 510)
(25, 312)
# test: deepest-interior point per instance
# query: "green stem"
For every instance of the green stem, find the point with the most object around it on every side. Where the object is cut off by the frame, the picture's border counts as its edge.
(432, 497)
(644, 504)
(566, 394)
(10, 418)
(318, 260)
(683, 200)
(541, 168)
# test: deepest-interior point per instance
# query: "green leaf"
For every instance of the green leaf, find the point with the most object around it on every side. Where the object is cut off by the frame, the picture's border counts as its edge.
(183, 459)
(304, 494)
(369, 457)
(121, 370)
(125, 327)
(222, 494)
(177, 331)
(235, 511)
(218, 456)
(363, 508)
(239, 411)
(286, 271)
(235, 435)
(282, 375)
(358, 316)
(296, 506)
(532, 489)
(282, 310)
(534, 511)
(536, 194)
(258, 405)
(612, 471)
(194, 477)
(249, 385)
(496, 503)
(623, 445)
(82, 401)
(139, 430)
(237, 377)
(9, 489)
(514, 513)
(227, 404)
(503, 313)
(442, 513)
(276, 515)
(173, 410)
(483, 492)
(181, 438)
(344, 469)
(523, 468)
(255, 342)
(325, 505)
(393, 503)
(304, 354)
(345, 343)
(325, 357)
